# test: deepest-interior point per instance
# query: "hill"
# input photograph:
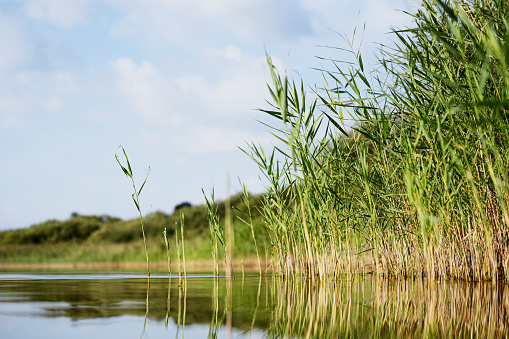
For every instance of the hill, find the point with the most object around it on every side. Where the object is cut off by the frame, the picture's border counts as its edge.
(104, 238)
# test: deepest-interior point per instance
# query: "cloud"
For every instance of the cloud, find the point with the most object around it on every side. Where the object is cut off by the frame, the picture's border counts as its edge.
(17, 47)
(64, 81)
(199, 113)
(63, 13)
(233, 87)
(182, 21)
(147, 89)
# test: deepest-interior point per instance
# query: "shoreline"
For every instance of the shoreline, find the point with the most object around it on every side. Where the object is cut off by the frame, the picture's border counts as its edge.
(208, 264)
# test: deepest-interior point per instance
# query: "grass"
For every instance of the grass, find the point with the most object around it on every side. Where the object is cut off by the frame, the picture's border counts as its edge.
(106, 239)
(417, 179)
(136, 198)
(197, 253)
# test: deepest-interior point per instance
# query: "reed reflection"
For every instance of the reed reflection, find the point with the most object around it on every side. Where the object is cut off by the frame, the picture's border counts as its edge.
(380, 308)
(272, 306)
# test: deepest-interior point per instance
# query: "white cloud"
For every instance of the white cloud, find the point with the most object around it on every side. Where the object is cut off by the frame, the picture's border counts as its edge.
(231, 96)
(53, 105)
(64, 81)
(23, 78)
(64, 13)
(17, 47)
(233, 53)
(235, 87)
(183, 21)
(147, 89)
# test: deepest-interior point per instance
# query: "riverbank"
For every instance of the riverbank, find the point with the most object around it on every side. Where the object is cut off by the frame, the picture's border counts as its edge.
(104, 241)
(248, 264)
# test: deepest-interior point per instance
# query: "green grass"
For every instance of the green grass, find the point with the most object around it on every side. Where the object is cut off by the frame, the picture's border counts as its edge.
(108, 239)
(136, 199)
(420, 182)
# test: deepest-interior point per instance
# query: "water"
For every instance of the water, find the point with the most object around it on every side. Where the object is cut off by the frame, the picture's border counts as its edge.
(122, 304)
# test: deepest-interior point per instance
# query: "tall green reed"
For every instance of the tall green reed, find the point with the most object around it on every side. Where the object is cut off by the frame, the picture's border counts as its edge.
(136, 195)
(416, 182)
(183, 247)
(216, 231)
(167, 251)
(228, 236)
(249, 222)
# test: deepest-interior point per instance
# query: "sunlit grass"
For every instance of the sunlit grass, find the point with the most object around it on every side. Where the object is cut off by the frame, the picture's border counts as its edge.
(136, 198)
(419, 185)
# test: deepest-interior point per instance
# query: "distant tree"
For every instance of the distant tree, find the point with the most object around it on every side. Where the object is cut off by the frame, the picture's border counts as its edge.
(74, 215)
(108, 219)
(183, 205)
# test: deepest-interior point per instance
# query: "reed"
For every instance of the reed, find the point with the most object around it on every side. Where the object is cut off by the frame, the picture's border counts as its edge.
(382, 308)
(136, 197)
(179, 256)
(167, 251)
(216, 232)
(228, 237)
(246, 218)
(399, 168)
(183, 247)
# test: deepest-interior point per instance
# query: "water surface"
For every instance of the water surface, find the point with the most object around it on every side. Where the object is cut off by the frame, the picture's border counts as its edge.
(123, 304)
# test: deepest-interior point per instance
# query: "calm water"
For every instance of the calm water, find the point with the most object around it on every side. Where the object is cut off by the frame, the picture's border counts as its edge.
(122, 305)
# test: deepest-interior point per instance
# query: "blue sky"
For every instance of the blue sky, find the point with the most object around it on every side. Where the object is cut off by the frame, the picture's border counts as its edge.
(177, 83)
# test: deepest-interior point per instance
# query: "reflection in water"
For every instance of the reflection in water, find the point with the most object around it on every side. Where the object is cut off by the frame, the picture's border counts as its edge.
(168, 304)
(258, 306)
(215, 322)
(381, 308)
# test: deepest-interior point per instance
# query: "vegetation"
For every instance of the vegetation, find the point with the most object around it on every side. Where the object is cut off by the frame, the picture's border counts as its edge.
(109, 239)
(136, 199)
(419, 184)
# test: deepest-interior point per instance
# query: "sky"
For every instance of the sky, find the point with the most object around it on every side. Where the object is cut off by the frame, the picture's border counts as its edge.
(176, 83)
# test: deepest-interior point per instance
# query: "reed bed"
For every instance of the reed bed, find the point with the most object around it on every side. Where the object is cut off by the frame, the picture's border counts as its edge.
(400, 168)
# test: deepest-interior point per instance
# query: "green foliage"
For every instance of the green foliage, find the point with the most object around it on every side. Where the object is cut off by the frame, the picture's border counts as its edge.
(421, 182)
(103, 238)
(136, 197)
(182, 205)
(75, 229)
